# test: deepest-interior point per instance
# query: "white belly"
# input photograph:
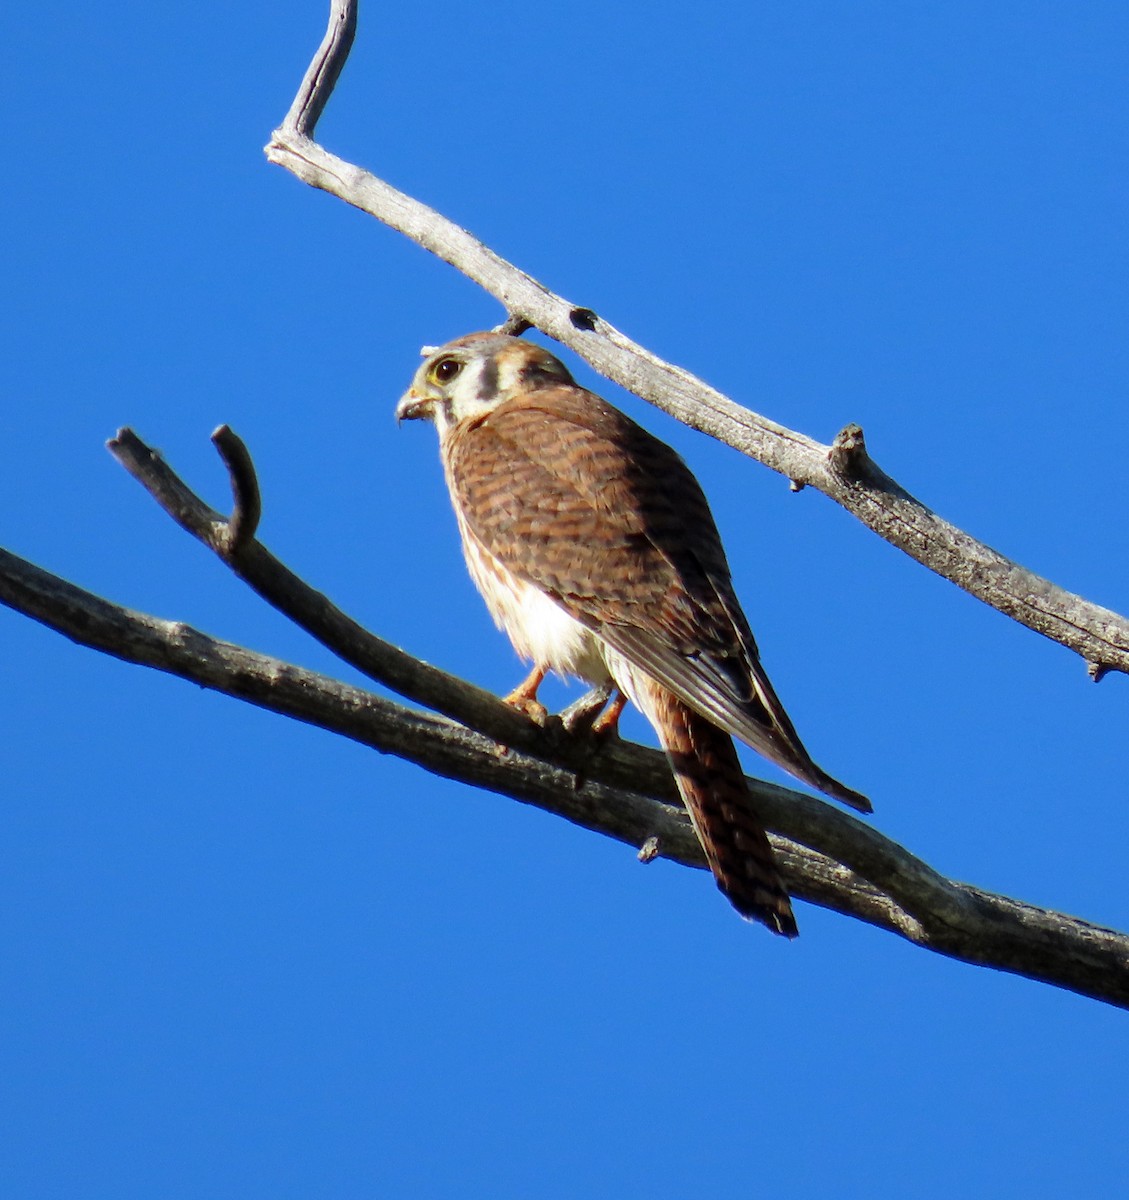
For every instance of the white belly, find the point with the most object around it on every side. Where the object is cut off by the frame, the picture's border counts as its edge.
(539, 628)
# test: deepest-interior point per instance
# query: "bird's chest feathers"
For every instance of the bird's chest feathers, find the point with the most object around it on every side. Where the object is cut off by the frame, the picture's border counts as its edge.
(539, 628)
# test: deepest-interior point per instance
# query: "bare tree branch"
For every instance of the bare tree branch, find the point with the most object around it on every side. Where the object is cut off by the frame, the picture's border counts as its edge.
(850, 866)
(324, 70)
(852, 479)
(829, 858)
(378, 659)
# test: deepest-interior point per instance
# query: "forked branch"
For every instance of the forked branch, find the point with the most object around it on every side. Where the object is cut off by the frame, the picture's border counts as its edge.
(624, 791)
(830, 857)
(853, 480)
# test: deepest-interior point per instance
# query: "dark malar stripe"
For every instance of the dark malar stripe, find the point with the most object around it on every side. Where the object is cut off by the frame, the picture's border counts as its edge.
(488, 381)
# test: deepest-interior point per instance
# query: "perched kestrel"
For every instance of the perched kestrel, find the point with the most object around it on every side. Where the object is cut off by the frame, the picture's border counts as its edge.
(595, 550)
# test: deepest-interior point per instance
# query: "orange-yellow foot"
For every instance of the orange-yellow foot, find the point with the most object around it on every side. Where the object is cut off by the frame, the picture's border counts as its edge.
(524, 697)
(606, 725)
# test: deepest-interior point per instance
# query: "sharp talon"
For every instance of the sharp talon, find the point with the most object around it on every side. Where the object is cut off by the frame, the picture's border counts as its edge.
(606, 725)
(533, 709)
(649, 850)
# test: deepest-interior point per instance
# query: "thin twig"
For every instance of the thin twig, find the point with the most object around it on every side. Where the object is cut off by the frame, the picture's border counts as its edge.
(325, 68)
(1098, 634)
(247, 505)
(314, 612)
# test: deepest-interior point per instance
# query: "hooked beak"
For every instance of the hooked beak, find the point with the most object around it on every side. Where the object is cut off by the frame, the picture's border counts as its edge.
(413, 407)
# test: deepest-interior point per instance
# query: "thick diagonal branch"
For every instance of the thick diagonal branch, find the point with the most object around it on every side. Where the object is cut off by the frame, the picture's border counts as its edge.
(1098, 634)
(907, 895)
(866, 876)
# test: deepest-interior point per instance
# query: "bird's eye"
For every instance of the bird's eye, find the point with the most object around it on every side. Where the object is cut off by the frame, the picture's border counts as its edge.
(446, 369)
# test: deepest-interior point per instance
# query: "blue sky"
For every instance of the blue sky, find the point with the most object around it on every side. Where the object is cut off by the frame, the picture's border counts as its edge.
(244, 958)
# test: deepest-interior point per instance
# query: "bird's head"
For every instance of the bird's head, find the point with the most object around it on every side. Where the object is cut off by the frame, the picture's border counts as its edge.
(474, 374)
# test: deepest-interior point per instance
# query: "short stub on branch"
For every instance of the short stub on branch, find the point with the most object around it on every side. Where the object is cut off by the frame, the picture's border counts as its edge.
(514, 325)
(848, 456)
(1097, 671)
(649, 850)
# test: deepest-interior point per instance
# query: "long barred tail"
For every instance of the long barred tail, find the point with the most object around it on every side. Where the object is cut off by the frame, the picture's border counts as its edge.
(713, 788)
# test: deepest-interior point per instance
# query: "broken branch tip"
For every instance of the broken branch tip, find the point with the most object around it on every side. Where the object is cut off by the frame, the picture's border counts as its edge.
(649, 850)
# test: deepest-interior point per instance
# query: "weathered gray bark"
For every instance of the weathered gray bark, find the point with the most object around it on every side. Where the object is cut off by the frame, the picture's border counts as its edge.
(843, 471)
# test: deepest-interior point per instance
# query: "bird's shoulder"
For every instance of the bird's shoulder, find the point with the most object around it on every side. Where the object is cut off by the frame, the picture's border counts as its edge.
(572, 444)
(532, 423)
